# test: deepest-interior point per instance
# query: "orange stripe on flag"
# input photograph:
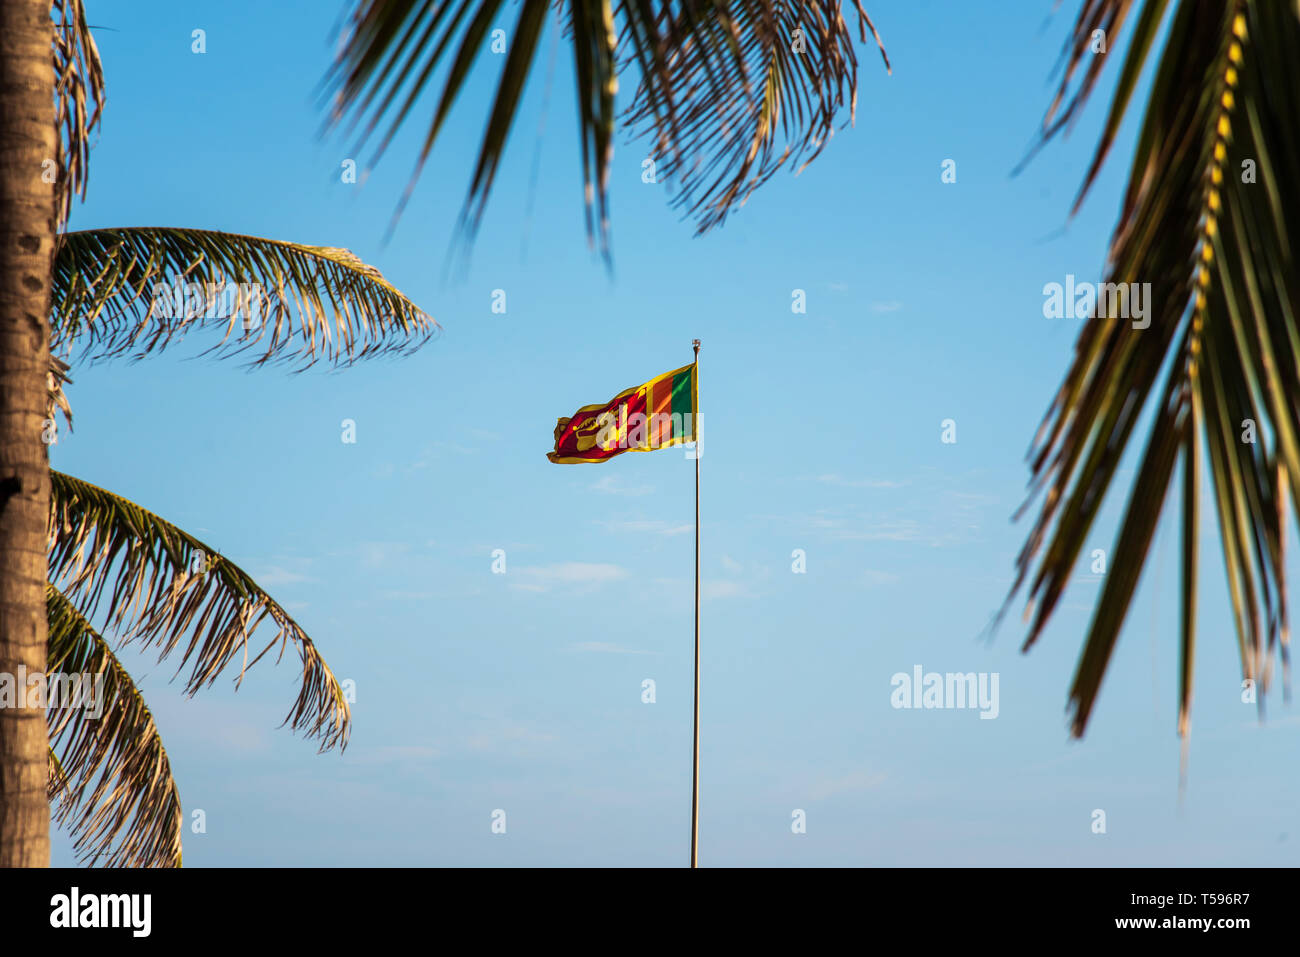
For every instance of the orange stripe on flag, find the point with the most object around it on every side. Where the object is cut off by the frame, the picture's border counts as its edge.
(662, 430)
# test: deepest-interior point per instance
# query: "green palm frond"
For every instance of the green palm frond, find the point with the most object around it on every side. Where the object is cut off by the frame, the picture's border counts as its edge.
(1222, 351)
(164, 587)
(110, 781)
(79, 100)
(699, 66)
(136, 290)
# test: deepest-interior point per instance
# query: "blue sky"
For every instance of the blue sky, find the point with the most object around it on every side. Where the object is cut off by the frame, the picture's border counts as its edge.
(522, 691)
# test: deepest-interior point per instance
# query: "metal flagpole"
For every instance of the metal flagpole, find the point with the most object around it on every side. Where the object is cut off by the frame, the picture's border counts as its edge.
(695, 769)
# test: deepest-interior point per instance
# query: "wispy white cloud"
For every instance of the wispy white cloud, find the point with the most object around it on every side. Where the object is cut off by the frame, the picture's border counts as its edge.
(834, 478)
(711, 590)
(940, 510)
(852, 783)
(897, 530)
(610, 485)
(576, 572)
(577, 575)
(487, 548)
(273, 575)
(505, 735)
(377, 554)
(398, 754)
(892, 305)
(430, 454)
(651, 526)
(496, 735)
(857, 527)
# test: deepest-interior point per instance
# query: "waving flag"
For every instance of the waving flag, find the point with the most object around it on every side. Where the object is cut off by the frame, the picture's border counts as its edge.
(657, 415)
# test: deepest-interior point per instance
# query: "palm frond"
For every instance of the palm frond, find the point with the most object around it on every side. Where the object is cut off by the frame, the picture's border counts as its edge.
(392, 45)
(56, 398)
(79, 96)
(720, 85)
(1215, 247)
(110, 781)
(741, 80)
(136, 290)
(592, 33)
(164, 587)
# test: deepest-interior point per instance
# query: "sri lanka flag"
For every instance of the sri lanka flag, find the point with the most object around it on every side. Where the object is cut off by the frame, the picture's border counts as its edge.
(662, 413)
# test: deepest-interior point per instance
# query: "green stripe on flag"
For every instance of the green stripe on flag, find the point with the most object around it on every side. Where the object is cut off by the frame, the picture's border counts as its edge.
(682, 400)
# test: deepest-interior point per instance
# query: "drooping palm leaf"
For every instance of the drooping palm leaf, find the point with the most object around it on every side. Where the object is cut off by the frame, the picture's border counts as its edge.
(719, 85)
(110, 780)
(1225, 293)
(161, 587)
(56, 399)
(113, 292)
(796, 69)
(79, 100)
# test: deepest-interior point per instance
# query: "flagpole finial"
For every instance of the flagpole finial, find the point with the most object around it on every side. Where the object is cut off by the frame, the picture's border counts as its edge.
(696, 344)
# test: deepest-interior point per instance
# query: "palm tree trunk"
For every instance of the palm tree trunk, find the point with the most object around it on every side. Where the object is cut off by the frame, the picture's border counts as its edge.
(28, 141)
